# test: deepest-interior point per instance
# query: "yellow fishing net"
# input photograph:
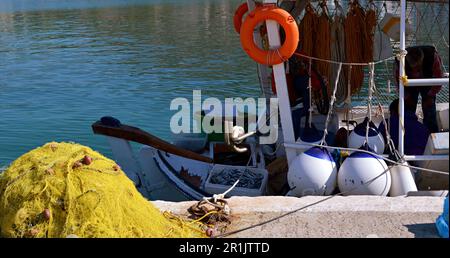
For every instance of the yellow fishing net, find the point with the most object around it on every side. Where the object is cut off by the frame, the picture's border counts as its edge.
(67, 190)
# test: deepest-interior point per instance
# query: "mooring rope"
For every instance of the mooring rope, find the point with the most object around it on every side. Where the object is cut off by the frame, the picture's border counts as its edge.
(369, 100)
(310, 110)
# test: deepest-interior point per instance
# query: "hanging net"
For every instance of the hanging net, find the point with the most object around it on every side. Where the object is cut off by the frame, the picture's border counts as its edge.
(427, 24)
(363, 21)
(66, 189)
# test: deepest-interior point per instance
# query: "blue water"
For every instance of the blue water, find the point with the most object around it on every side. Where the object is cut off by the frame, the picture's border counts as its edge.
(65, 64)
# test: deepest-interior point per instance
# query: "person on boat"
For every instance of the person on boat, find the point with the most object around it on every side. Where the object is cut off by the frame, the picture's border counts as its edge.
(297, 85)
(300, 83)
(416, 133)
(422, 62)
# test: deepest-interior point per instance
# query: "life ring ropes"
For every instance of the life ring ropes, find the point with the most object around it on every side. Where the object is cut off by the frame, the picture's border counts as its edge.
(273, 56)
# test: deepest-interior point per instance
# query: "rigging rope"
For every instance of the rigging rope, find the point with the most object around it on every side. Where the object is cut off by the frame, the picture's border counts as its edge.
(310, 110)
(344, 63)
(369, 100)
(330, 111)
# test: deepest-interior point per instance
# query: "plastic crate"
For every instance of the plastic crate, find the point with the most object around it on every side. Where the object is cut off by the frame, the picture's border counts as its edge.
(237, 191)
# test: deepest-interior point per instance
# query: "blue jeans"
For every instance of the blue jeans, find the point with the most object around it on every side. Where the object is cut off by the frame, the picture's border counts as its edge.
(428, 105)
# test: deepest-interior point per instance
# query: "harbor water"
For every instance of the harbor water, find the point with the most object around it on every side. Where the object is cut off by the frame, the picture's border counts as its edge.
(64, 64)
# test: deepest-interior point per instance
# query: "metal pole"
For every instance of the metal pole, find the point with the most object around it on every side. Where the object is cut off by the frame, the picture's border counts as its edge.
(401, 104)
(427, 82)
(426, 157)
(281, 86)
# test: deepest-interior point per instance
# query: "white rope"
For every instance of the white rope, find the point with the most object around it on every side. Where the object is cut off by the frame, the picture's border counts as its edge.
(389, 140)
(273, 52)
(348, 101)
(369, 100)
(215, 197)
(401, 57)
(344, 63)
(310, 94)
(330, 111)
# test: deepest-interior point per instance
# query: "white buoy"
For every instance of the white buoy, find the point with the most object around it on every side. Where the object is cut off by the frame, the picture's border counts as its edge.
(309, 135)
(312, 173)
(358, 137)
(358, 169)
(402, 180)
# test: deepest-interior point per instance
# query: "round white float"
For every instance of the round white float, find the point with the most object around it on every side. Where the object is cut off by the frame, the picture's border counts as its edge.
(402, 180)
(358, 137)
(358, 169)
(310, 135)
(312, 173)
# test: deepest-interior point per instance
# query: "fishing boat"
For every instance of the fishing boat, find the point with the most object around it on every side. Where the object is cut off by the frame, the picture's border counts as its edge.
(197, 165)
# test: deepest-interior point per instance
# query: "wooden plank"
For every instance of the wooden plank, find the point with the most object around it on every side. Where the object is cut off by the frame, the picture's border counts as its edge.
(135, 134)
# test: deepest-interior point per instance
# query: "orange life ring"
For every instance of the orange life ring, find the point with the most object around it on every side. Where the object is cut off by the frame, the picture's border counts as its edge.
(276, 56)
(239, 14)
(237, 20)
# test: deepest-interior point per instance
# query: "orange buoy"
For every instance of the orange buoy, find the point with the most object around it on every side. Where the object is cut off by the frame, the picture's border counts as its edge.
(238, 15)
(275, 56)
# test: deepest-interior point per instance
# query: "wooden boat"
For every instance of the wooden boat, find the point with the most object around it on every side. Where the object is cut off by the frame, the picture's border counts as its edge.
(183, 170)
(166, 171)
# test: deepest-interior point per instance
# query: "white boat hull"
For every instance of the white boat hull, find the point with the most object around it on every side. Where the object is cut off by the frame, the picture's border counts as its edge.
(162, 179)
